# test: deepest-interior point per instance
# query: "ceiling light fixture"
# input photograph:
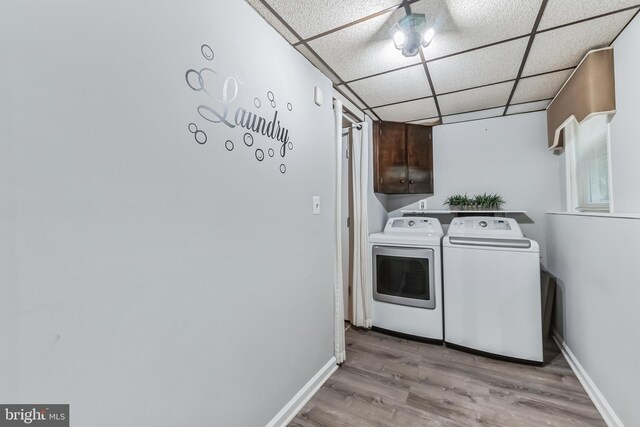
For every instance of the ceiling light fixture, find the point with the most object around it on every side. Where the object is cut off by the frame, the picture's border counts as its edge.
(409, 34)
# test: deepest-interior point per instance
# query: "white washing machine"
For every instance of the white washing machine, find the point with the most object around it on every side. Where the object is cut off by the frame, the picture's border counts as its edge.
(492, 288)
(407, 277)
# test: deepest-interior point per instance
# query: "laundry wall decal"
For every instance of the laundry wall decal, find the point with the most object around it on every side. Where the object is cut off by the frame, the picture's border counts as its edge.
(258, 125)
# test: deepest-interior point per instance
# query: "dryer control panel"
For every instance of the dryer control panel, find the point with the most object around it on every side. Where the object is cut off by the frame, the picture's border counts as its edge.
(413, 225)
(485, 226)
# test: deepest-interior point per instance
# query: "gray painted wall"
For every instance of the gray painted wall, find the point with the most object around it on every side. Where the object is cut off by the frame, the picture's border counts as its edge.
(506, 155)
(9, 299)
(625, 143)
(151, 280)
(595, 262)
(596, 259)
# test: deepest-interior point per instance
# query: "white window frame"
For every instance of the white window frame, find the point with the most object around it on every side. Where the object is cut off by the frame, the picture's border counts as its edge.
(574, 202)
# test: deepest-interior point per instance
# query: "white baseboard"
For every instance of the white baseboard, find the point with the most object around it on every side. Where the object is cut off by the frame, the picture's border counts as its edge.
(592, 390)
(294, 406)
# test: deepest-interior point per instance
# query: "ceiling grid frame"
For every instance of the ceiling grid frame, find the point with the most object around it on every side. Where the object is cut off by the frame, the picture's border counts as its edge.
(407, 8)
(473, 87)
(543, 5)
(356, 22)
(339, 81)
(501, 41)
(625, 27)
(313, 52)
(477, 87)
(477, 47)
(591, 18)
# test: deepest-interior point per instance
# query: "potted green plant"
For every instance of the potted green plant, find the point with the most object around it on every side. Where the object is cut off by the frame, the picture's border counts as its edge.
(481, 200)
(496, 202)
(488, 201)
(458, 202)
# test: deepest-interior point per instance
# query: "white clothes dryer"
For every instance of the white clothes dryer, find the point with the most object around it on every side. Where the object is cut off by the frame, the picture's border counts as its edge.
(407, 278)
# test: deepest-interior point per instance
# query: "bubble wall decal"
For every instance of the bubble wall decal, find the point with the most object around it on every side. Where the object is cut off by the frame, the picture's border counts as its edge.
(221, 101)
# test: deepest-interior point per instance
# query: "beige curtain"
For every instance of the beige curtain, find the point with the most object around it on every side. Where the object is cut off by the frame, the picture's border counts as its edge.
(361, 283)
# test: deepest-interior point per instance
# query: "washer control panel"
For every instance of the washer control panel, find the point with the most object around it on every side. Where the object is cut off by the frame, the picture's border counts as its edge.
(484, 226)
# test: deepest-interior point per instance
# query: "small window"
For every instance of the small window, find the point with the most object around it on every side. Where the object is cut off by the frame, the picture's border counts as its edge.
(589, 180)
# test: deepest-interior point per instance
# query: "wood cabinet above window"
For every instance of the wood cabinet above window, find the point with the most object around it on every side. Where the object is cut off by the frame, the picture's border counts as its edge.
(403, 158)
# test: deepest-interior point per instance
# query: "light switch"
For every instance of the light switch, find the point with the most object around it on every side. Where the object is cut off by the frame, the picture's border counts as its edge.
(316, 205)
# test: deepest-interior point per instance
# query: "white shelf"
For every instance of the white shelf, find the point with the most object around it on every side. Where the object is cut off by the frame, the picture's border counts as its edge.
(440, 212)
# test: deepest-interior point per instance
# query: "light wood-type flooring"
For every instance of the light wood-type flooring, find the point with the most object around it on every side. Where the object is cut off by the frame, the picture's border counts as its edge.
(389, 381)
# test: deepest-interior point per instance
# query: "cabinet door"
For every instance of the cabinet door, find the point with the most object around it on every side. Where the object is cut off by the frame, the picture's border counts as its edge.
(391, 155)
(419, 159)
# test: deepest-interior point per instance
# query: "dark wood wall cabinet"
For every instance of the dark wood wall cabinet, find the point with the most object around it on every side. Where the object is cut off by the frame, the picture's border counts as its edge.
(402, 158)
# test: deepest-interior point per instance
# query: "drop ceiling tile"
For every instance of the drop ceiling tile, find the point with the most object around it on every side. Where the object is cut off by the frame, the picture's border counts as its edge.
(479, 67)
(528, 107)
(566, 46)
(363, 49)
(559, 12)
(273, 21)
(408, 111)
(484, 114)
(402, 85)
(462, 25)
(475, 99)
(349, 94)
(317, 63)
(311, 17)
(433, 121)
(540, 87)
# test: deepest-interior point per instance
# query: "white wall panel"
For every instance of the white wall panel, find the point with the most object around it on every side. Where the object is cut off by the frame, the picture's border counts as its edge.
(163, 282)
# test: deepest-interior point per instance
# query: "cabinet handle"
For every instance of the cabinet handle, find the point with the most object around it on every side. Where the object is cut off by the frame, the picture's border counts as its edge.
(402, 181)
(410, 182)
